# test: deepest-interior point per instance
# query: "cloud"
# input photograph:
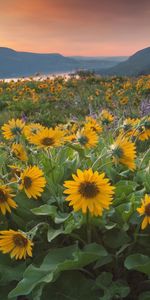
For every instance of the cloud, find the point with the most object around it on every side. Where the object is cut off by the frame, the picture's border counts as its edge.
(75, 27)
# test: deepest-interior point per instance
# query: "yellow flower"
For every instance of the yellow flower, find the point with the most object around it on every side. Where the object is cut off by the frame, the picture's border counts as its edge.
(124, 152)
(89, 191)
(70, 138)
(32, 181)
(93, 124)
(143, 132)
(32, 129)
(19, 151)
(129, 126)
(87, 137)
(124, 100)
(6, 201)
(15, 172)
(13, 128)
(16, 243)
(145, 210)
(97, 92)
(106, 117)
(48, 138)
(90, 98)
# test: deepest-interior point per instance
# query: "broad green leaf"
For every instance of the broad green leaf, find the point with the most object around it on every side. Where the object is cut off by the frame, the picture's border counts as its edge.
(124, 188)
(104, 280)
(116, 238)
(45, 210)
(71, 286)
(10, 270)
(138, 262)
(57, 260)
(53, 233)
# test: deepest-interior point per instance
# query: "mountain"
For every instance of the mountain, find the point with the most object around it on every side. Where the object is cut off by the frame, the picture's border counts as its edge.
(15, 64)
(135, 65)
(112, 58)
(18, 64)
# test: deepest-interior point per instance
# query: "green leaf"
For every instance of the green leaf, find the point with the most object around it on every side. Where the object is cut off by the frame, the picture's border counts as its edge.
(45, 210)
(116, 238)
(103, 261)
(57, 260)
(124, 188)
(53, 233)
(10, 270)
(138, 262)
(144, 296)
(115, 289)
(61, 218)
(71, 286)
(104, 280)
(125, 210)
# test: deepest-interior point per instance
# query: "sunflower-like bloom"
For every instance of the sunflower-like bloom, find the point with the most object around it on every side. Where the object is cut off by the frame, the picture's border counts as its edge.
(70, 128)
(106, 117)
(19, 151)
(70, 138)
(142, 134)
(89, 191)
(87, 137)
(48, 138)
(6, 201)
(32, 181)
(124, 152)
(13, 129)
(143, 131)
(32, 129)
(15, 172)
(128, 127)
(93, 124)
(16, 243)
(145, 210)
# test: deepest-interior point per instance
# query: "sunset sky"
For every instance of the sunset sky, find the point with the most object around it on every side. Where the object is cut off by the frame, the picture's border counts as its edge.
(75, 27)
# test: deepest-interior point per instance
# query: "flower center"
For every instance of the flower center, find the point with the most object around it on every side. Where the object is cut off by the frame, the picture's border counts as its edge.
(147, 124)
(34, 130)
(83, 140)
(141, 129)
(16, 130)
(118, 152)
(27, 182)
(127, 127)
(3, 197)
(20, 241)
(105, 121)
(47, 141)
(147, 209)
(94, 128)
(88, 189)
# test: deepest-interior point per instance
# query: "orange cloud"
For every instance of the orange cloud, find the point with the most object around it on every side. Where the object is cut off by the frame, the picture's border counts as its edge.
(113, 27)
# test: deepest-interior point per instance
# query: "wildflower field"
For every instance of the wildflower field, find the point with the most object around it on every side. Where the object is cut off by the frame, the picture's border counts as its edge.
(75, 188)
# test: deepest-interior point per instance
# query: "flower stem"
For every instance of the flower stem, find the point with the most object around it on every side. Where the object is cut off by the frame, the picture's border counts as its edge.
(145, 155)
(88, 224)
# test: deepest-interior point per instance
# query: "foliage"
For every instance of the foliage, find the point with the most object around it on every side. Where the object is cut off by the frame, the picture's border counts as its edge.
(75, 255)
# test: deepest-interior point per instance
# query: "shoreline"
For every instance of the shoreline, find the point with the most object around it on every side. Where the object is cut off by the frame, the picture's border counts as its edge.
(39, 77)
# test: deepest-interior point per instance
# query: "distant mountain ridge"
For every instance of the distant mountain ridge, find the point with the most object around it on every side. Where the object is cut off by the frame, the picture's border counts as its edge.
(18, 64)
(21, 64)
(135, 65)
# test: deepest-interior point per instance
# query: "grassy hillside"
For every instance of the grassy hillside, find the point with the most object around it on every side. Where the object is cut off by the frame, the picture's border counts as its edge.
(137, 64)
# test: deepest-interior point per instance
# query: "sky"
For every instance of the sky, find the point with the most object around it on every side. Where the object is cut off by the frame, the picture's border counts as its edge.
(75, 27)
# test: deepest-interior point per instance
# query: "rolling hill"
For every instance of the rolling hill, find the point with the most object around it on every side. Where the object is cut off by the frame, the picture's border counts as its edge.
(135, 65)
(21, 64)
(18, 64)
